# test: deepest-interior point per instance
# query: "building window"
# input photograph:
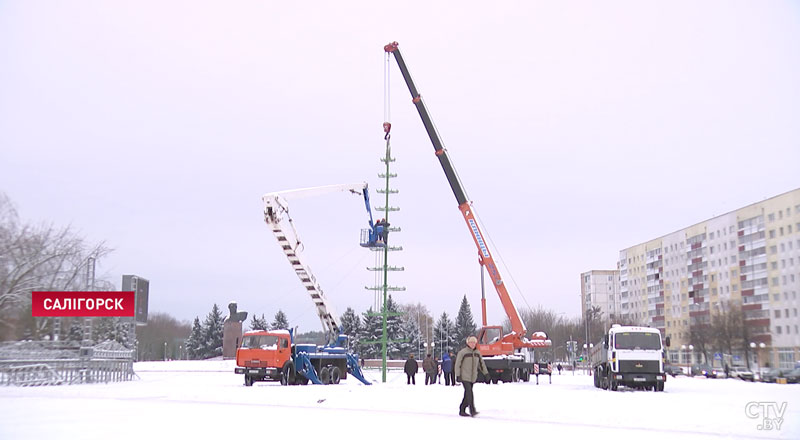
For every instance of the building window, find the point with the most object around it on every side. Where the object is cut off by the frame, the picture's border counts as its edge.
(775, 281)
(785, 357)
(773, 249)
(777, 314)
(771, 217)
(771, 233)
(779, 330)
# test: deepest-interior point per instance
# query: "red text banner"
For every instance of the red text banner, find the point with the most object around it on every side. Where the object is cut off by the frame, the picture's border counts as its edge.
(83, 304)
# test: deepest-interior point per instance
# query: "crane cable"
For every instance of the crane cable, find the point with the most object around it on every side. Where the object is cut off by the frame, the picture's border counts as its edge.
(387, 110)
(497, 252)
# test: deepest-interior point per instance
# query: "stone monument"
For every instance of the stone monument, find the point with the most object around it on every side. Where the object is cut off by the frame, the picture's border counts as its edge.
(232, 331)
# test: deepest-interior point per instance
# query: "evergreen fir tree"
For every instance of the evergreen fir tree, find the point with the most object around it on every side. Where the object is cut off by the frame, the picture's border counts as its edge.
(212, 327)
(195, 345)
(410, 335)
(351, 326)
(465, 325)
(257, 323)
(103, 329)
(372, 333)
(280, 322)
(394, 329)
(444, 335)
(75, 333)
(122, 332)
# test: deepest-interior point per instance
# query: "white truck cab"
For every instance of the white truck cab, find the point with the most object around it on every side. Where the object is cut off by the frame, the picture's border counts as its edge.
(630, 356)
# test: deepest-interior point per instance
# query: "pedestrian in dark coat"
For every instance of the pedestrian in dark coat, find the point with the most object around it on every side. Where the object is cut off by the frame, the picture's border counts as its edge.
(411, 369)
(453, 369)
(468, 362)
(429, 366)
(447, 368)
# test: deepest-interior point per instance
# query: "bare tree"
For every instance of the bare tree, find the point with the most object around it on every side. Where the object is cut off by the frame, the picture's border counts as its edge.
(701, 335)
(36, 258)
(425, 321)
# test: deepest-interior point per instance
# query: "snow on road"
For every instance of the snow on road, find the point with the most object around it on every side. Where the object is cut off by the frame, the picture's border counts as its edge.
(204, 399)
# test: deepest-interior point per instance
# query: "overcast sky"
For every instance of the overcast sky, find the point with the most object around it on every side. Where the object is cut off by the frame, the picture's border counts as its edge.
(578, 129)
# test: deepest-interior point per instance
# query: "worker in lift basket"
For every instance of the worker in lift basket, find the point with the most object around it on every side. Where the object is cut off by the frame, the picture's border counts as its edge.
(468, 361)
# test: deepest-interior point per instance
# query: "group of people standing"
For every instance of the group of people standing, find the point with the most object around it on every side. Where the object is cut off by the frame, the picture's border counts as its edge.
(463, 369)
(433, 369)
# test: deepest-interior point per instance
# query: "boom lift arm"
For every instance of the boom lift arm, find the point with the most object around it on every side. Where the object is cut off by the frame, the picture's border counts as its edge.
(517, 335)
(276, 215)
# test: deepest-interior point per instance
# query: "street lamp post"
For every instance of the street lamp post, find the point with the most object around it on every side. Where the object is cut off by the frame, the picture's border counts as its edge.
(683, 355)
(756, 353)
(165, 351)
(588, 361)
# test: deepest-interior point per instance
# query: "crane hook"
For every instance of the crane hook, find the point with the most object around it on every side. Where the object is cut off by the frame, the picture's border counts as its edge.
(387, 127)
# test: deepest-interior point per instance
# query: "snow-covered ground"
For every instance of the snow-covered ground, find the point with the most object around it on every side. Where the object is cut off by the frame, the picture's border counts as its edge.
(205, 399)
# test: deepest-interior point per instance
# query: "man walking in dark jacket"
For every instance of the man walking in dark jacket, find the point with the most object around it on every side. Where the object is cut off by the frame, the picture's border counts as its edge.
(468, 362)
(411, 369)
(429, 367)
(447, 368)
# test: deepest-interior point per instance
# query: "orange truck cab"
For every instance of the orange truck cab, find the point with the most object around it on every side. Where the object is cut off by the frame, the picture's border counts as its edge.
(263, 355)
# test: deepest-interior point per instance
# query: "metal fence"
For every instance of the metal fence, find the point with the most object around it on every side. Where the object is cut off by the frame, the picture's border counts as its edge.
(45, 363)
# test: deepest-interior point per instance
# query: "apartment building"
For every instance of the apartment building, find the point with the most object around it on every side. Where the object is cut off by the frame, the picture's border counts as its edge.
(600, 289)
(749, 258)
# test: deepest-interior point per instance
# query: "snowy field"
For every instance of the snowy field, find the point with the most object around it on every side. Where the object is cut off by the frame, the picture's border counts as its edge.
(204, 399)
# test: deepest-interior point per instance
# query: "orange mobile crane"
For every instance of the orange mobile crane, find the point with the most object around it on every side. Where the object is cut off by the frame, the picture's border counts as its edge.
(507, 356)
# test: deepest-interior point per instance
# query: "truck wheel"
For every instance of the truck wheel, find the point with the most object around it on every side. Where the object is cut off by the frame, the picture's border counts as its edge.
(301, 380)
(526, 376)
(248, 381)
(614, 385)
(288, 374)
(336, 375)
(325, 376)
(660, 386)
(604, 383)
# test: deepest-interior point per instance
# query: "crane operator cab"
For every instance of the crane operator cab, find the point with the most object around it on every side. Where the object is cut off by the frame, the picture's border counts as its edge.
(376, 236)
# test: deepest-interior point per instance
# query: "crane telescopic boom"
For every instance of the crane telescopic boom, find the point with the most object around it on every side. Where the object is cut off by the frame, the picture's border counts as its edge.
(276, 210)
(464, 205)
